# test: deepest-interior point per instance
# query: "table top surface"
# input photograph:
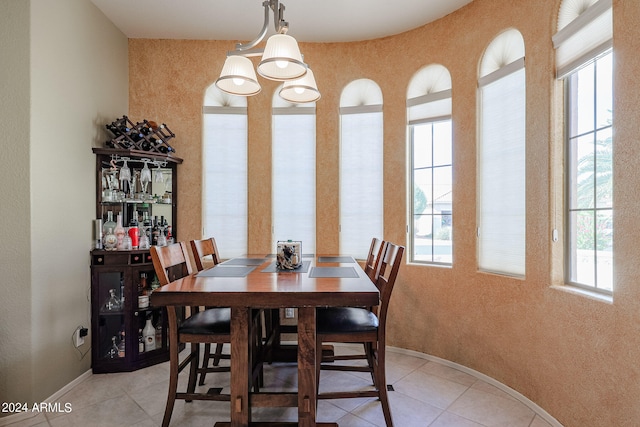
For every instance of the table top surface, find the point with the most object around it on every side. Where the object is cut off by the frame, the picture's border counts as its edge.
(261, 287)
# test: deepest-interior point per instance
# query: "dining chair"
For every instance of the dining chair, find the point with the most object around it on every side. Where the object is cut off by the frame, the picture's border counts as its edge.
(202, 249)
(362, 325)
(371, 263)
(201, 326)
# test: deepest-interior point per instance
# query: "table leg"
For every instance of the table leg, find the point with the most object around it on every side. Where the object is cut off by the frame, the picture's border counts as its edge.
(240, 366)
(307, 366)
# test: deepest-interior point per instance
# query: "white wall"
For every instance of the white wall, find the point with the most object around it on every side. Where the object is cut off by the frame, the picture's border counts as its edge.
(15, 289)
(78, 82)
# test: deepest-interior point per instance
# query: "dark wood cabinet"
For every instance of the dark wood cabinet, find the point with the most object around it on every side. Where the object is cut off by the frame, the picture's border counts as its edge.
(118, 316)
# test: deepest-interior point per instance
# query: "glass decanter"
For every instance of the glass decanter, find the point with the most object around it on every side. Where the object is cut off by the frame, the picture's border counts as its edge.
(113, 303)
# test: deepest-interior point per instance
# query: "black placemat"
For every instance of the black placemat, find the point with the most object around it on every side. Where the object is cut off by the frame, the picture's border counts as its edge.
(271, 268)
(244, 261)
(222, 271)
(336, 259)
(341, 272)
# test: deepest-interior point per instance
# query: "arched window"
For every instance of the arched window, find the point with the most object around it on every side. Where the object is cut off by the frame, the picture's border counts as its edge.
(361, 154)
(431, 166)
(501, 156)
(584, 61)
(224, 171)
(294, 173)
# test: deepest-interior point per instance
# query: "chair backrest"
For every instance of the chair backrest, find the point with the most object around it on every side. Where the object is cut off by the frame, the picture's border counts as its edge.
(171, 262)
(371, 264)
(204, 248)
(386, 273)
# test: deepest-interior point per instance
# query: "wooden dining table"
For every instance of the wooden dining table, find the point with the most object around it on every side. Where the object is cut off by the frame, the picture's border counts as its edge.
(253, 282)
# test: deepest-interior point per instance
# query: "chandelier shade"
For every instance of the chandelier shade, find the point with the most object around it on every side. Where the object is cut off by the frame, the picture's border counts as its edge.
(281, 59)
(301, 90)
(238, 77)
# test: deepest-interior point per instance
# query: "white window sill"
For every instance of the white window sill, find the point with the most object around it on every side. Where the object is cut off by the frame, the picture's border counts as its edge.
(597, 296)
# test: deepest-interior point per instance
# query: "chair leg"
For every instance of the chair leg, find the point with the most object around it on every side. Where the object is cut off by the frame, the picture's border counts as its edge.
(205, 362)
(381, 384)
(318, 366)
(368, 351)
(218, 354)
(174, 363)
(193, 367)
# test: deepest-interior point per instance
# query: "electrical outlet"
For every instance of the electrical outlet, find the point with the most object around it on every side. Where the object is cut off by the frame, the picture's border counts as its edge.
(78, 338)
(289, 313)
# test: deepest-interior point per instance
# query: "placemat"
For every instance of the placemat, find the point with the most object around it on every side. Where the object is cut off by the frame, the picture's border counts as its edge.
(244, 261)
(336, 259)
(342, 272)
(219, 271)
(302, 269)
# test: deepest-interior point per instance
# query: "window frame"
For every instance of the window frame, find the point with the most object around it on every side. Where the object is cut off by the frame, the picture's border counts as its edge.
(570, 253)
(411, 241)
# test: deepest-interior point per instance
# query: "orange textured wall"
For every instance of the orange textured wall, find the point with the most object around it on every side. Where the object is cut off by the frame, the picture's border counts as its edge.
(577, 357)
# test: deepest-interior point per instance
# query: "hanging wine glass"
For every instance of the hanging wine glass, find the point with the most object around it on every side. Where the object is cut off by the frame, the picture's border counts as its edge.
(145, 177)
(125, 173)
(159, 177)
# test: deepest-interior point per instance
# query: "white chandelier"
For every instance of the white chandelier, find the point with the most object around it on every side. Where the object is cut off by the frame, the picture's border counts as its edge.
(281, 61)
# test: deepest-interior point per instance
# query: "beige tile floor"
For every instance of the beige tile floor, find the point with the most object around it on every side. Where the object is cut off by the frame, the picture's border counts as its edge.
(427, 392)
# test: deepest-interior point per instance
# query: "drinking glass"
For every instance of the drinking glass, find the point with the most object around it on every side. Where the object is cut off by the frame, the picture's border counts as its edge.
(145, 178)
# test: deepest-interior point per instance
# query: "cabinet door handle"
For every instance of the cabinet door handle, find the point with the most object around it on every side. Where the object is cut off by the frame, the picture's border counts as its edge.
(135, 313)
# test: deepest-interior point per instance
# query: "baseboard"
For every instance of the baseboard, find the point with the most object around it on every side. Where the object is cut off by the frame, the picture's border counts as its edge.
(51, 399)
(511, 392)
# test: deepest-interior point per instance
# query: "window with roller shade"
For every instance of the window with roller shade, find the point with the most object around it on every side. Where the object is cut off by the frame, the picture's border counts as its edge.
(361, 159)
(294, 173)
(225, 171)
(430, 178)
(584, 62)
(501, 157)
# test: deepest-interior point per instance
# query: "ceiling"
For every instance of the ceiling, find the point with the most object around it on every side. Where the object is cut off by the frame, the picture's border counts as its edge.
(242, 20)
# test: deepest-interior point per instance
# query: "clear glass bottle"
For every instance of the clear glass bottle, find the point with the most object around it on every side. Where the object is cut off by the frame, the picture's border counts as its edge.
(127, 242)
(119, 232)
(110, 241)
(113, 303)
(140, 342)
(108, 224)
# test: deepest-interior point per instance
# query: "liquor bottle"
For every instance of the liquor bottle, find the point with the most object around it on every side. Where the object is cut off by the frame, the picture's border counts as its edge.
(113, 350)
(143, 292)
(169, 236)
(127, 242)
(140, 342)
(108, 224)
(119, 232)
(155, 232)
(159, 334)
(121, 344)
(149, 334)
(133, 230)
(146, 222)
(113, 303)
(110, 241)
(165, 225)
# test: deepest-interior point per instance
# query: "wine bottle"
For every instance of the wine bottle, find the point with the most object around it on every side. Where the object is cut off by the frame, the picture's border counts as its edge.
(140, 342)
(155, 232)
